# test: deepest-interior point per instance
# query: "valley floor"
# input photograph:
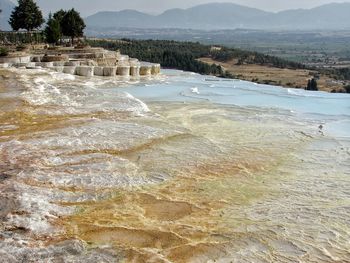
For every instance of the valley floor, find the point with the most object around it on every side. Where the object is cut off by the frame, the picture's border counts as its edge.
(275, 76)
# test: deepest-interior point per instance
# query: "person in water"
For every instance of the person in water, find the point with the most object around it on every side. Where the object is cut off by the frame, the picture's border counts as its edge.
(320, 129)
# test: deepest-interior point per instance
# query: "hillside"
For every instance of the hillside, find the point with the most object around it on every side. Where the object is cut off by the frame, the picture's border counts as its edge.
(286, 77)
(228, 16)
(223, 62)
(6, 6)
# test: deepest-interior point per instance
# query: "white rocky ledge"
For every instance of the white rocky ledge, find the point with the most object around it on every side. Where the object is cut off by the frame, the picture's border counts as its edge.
(106, 64)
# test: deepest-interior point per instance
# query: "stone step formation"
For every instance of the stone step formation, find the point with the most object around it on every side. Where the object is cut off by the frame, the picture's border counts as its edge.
(83, 62)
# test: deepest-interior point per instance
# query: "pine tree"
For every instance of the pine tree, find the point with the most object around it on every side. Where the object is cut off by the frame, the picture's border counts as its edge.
(59, 15)
(72, 24)
(52, 30)
(26, 15)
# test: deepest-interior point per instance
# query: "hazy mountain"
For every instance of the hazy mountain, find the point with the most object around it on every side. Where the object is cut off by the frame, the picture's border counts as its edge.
(228, 16)
(6, 6)
(330, 16)
(130, 18)
(209, 16)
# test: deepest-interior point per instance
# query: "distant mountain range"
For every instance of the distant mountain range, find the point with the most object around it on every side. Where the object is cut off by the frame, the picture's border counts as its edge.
(213, 16)
(228, 16)
(6, 6)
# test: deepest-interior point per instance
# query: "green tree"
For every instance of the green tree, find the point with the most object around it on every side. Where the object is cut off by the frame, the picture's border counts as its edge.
(312, 85)
(52, 30)
(26, 15)
(59, 15)
(72, 24)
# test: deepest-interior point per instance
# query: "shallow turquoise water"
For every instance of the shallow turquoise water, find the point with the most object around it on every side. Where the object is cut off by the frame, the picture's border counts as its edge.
(308, 220)
(330, 110)
(91, 134)
(183, 86)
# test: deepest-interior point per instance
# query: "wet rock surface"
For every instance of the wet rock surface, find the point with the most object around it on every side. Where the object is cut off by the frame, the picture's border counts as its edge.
(91, 174)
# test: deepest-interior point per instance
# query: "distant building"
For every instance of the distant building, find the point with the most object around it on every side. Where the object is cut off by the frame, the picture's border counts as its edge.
(215, 48)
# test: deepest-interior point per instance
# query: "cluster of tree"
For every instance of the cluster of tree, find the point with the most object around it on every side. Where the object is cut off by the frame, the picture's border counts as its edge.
(312, 85)
(250, 57)
(27, 15)
(187, 61)
(338, 73)
(171, 54)
(64, 23)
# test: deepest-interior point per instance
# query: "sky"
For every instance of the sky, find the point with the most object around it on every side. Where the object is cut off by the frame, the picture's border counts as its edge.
(88, 7)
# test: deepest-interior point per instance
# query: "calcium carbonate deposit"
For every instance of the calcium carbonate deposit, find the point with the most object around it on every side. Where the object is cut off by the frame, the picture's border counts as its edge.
(174, 168)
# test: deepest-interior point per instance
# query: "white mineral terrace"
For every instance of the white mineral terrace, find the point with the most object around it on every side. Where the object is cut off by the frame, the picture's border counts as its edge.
(95, 62)
(172, 169)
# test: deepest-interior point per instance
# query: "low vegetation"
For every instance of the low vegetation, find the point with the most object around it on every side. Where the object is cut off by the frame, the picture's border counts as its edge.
(3, 51)
(250, 57)
(337, 73)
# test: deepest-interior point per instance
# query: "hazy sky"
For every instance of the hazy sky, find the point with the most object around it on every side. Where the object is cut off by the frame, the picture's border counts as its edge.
(87, 7)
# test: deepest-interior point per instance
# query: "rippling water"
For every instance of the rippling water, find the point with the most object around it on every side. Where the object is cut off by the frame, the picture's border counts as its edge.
(177, 168)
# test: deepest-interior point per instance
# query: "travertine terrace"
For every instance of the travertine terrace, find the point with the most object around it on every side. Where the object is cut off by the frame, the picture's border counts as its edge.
(85, 62)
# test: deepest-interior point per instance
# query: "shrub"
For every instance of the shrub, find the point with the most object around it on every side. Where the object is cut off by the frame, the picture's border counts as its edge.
(3, 51)
(21, 48)
(347, 88)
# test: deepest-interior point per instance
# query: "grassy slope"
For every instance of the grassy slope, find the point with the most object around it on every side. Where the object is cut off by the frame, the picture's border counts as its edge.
(295, 78)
